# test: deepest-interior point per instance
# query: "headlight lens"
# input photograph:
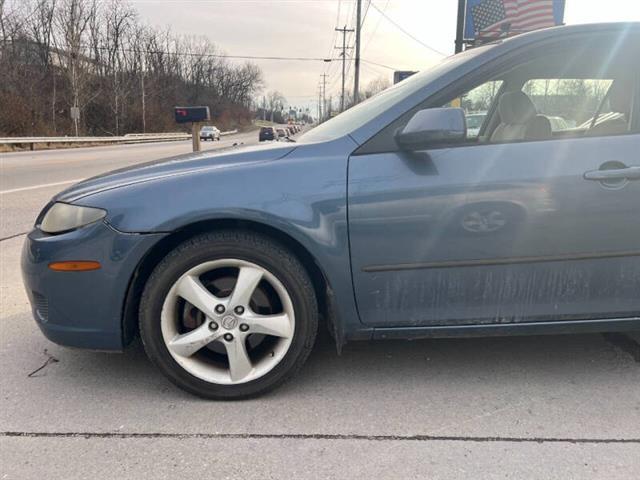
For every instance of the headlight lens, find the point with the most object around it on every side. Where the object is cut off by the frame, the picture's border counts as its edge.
(62, 217)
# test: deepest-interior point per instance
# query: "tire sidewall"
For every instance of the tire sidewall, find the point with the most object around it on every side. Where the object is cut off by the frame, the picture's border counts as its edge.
(215, 247)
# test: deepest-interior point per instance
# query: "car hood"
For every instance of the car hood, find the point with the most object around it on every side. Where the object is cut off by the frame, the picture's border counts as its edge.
(173, 166)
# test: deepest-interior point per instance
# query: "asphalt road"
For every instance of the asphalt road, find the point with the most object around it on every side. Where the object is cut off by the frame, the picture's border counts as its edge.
(560, 407)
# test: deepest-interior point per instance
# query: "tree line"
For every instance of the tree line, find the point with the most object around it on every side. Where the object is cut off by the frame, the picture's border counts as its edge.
(122, 75)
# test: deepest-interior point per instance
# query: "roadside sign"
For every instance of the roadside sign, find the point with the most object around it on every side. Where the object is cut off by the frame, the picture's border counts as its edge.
(192, 114)
(75, 113)
(400, 75)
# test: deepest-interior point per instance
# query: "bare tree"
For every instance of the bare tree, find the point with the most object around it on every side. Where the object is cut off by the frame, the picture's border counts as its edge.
(72, 20)
(275, 102)
(375, 86)
(96, 56)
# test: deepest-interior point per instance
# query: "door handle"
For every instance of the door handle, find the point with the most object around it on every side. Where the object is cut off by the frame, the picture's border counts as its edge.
(628, 173)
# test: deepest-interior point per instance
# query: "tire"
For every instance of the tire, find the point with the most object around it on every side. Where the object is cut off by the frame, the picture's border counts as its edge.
(198, 373)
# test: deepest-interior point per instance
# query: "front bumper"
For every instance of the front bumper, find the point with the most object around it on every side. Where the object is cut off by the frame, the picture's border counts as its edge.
(82, 309)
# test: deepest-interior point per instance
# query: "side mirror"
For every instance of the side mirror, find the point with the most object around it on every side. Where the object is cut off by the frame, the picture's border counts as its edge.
(432, 127)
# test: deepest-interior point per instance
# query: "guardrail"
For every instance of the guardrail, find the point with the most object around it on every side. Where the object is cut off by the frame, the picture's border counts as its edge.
(164, 134)
(31, 142)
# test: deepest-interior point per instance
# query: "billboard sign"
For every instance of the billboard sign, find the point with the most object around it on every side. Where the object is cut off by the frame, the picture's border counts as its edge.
(400, 75)
(192, 114)
(487, 20)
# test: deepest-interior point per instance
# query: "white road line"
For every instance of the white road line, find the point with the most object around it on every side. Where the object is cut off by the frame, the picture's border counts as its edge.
(42, 185)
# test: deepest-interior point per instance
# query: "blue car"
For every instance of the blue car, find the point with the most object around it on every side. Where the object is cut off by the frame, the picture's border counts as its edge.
(387, 221)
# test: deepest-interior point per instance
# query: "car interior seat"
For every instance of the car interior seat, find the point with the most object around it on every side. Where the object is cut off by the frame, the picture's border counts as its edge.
(519, 119)
(620, 97)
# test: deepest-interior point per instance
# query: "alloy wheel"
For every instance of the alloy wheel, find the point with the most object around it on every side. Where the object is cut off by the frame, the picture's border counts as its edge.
(227, 321)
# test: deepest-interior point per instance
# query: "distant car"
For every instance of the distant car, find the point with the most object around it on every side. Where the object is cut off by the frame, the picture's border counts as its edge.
(209, 132)
(282, 133)
(474, 122)
(385, 222)
(267, 133)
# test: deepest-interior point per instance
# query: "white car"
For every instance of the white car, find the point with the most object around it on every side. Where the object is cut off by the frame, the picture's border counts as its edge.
(474, 122)
(209, 132)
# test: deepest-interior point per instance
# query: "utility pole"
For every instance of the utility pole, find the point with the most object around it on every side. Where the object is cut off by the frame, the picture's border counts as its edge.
(324, 93)
(344, 31)
(356, 76)
(462, 7)
(319, 103)
(144, 104)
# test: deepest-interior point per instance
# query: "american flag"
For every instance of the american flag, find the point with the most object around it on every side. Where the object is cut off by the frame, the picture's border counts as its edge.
(493, 18)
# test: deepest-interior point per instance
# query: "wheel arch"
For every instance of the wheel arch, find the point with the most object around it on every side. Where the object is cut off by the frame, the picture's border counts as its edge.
(321, 285)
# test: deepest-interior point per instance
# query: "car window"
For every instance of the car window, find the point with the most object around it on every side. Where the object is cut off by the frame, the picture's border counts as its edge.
(476, 103)
(596, 64)
(575, 93)
(568, 103)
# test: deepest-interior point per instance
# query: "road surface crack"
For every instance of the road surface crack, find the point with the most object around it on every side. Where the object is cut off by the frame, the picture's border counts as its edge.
(296, 436)
(13, 236)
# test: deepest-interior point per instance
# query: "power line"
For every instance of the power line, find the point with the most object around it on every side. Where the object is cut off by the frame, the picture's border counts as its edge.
(344, 30)
(214, 55)
(329, 70)
(349, 19)
(407, 33)
(378, 64)
(375, 29)
(366, 10)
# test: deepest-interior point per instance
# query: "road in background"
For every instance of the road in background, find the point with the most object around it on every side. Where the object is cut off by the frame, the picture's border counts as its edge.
(525, 407)
(29, 179)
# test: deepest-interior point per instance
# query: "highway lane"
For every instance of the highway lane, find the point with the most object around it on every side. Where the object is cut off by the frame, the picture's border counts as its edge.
(530, 407)
(20, 170)
(29, 179)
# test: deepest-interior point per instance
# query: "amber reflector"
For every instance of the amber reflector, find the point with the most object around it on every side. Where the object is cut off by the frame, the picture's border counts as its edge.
(74, 266)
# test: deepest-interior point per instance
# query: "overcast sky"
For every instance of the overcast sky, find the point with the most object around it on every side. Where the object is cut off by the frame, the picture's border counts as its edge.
(305, 28)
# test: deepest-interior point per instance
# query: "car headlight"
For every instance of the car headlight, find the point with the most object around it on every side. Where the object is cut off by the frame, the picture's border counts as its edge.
(62, 217)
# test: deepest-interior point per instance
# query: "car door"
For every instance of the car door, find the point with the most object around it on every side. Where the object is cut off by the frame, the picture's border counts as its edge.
(501, 232)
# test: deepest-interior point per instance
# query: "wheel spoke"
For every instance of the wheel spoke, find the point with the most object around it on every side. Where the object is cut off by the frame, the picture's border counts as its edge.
(276, 325)
(239, 363)
(228, 320)
(189, 343)
(248, 280)
(194, 292)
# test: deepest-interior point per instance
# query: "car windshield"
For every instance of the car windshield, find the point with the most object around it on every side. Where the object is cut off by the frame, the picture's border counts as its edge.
(357, 116)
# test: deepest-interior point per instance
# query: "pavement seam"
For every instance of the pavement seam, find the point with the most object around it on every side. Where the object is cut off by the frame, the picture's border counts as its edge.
(12, 236)
(295, 436)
